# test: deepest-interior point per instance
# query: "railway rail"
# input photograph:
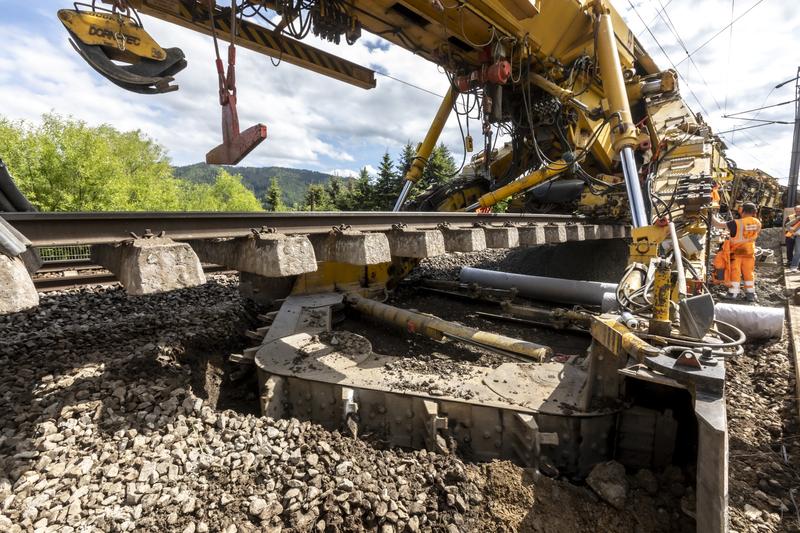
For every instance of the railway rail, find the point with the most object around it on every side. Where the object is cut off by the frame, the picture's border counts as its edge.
(62, 229)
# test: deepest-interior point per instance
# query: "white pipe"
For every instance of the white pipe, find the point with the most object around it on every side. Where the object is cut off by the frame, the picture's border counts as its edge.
(757, 322)
(541, 288)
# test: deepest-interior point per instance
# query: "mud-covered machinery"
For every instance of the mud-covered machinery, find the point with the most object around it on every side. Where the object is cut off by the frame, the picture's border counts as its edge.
(758, 187)
(571, 111)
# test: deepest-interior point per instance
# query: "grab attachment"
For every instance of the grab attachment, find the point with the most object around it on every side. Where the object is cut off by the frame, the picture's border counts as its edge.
(235, 144)
(103, 38)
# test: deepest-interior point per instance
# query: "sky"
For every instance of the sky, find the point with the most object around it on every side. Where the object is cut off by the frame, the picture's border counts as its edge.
(318, 123)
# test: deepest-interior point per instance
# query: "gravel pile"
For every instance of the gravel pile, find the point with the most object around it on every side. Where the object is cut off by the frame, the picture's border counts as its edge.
(763, 422)
(119, 414)
(110, 423)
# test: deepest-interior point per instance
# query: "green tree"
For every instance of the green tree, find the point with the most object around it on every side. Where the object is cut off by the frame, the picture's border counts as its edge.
(387, 185)
(64, 164)
(337, 192)
(316, 199)
(364, 194)
(439, 169)
(227, 193)
(407, 155)
(273, 199)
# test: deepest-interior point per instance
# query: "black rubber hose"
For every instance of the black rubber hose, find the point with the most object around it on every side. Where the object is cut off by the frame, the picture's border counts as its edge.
(9, 189)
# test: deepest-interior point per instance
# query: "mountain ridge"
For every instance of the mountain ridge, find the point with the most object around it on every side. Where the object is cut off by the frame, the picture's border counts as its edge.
(293, 181)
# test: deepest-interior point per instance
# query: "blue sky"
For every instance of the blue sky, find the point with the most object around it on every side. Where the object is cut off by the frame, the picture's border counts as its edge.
(322, 124)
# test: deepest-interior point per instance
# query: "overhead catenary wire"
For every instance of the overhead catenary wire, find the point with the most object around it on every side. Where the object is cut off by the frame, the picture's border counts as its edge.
(717, 34)
(729, 115)
(770, 123)
(674, 66)
(670, 26)
(730, 49)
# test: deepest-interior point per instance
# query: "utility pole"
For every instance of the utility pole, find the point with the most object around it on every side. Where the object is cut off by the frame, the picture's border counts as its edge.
(794, 166)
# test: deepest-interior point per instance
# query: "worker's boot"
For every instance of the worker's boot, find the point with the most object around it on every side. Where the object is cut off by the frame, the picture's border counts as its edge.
(730, 296)
(751, 297)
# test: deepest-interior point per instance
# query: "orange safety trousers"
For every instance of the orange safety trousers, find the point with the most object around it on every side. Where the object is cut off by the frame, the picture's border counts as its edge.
(742, 268)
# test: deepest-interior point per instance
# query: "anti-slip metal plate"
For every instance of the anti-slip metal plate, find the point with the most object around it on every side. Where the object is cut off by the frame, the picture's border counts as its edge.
(346, 359)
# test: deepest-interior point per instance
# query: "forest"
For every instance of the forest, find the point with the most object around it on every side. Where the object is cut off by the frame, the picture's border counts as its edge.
(64, 164)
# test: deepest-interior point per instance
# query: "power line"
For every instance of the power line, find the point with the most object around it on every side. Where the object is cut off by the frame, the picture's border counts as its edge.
(729, 115)
(734, 130)
(668, 59)
(654, 19)
(730, 48)
(409, 84)
(720, 32)
(671, 27)
(763, 120)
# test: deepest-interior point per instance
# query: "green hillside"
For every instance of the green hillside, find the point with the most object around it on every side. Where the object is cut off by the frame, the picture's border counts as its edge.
(293, 181)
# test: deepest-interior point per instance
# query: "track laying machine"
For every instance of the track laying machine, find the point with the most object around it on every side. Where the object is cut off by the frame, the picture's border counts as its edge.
(589, 125)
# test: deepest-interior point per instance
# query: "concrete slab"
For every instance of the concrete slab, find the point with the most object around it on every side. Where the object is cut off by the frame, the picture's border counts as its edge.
(555, 233)
(574, 232)
(531, 235)
(352, 247)
(272, 255)
(151, 265)
(416, 243)
(17, 292)
(464, 239)
(589, 231)
(712, 464)
(501, 236)
(605, 231)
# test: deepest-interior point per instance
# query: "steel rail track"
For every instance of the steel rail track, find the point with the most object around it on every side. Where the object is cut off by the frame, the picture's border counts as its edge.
(63, 229)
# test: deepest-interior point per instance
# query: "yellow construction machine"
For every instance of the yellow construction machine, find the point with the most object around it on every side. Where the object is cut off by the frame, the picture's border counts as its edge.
(572, 111)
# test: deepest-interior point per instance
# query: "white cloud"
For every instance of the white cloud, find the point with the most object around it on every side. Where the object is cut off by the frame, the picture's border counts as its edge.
(319, 123)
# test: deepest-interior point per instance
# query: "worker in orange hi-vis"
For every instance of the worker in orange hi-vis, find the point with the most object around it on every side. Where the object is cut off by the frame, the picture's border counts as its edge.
(743, 234)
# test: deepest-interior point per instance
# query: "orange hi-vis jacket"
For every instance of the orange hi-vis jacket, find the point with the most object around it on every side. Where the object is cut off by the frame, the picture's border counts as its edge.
(790, 233)
(744, 242)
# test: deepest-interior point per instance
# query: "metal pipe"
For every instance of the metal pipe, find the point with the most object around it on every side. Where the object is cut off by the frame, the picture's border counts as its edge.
(426, 147)
(403, 195)
(634, 188)
(623, 130)
(541, 288)
(564, 95)
(520, 184)
(436, 328)
(794, 164)
(678, 255)
(755, 321)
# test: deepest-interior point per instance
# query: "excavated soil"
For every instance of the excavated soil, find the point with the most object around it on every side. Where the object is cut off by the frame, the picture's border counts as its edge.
(763, 420)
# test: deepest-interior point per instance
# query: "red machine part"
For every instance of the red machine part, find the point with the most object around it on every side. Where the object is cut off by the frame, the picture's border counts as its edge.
(497, 73)
(235, 144)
